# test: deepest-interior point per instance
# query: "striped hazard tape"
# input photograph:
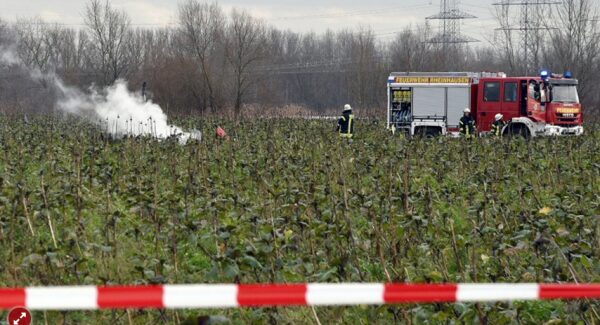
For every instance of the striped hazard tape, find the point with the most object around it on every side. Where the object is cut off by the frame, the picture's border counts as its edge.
(259, 295)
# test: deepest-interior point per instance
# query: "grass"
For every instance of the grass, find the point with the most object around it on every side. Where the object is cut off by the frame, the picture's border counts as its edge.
(288, 201)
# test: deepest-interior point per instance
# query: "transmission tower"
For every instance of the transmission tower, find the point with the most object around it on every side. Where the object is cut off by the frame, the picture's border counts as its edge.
(530, 24)
(450, 17)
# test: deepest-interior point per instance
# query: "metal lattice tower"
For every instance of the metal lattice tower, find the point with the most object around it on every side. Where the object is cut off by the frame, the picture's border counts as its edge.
(450, 17)
(530, 23)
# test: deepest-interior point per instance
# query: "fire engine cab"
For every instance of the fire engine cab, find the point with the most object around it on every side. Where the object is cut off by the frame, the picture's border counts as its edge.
(432, 104)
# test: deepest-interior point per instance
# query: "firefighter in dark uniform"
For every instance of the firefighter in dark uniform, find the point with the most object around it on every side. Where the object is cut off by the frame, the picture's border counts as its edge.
(498, 125)
(467, 124)
(346, 123)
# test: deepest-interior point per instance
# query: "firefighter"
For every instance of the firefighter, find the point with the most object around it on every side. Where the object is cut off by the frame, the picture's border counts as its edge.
(498, 125)
(467, 124)
(346, 123)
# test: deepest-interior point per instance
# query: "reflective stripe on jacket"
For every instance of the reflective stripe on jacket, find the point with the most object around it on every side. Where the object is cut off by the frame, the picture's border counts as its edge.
(467, 125)
(346, 125)
(497, 127)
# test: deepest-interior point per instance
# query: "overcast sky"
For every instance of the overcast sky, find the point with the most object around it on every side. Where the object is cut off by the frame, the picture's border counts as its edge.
(384, 16)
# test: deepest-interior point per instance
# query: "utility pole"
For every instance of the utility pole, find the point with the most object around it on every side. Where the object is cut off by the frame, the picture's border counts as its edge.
(530, 25)
(449, 33)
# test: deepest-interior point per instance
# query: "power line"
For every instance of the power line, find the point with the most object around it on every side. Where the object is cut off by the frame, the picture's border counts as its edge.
(395, 31)
(332, 65)
(370, 12)
(450, 17)
(529, 23)
(42, 23)
(478, 6)
(526, 3)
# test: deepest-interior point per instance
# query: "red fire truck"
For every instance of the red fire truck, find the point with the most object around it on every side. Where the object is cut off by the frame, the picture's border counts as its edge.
(432, 103)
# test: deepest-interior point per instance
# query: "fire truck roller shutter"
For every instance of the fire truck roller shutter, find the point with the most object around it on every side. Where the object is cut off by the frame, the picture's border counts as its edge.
(458, 99)
(429, 101)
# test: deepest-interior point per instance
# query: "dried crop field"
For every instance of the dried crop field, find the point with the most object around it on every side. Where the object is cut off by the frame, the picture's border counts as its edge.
(287, 201)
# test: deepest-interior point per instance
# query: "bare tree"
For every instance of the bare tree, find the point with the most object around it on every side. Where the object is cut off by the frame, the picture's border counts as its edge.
(506, 41)
(486, 59)
(66, 55)
(134, 50)
(35, 45)
(6, 39)
(245, 46)
(3, 32)
(202, 26)
(409, 50)
(522, 42)
(575, 44)
(363, 54)
(213, 60)
(109, 34)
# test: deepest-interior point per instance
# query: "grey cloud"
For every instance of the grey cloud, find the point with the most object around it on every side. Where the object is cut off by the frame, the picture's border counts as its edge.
(400, 14)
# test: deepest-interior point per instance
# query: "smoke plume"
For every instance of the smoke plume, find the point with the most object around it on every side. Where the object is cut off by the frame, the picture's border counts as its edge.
(120, 112)
(8, 57)
(115, 109)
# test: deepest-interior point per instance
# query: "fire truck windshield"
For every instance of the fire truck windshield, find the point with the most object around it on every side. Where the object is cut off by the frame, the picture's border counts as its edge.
(565, 94)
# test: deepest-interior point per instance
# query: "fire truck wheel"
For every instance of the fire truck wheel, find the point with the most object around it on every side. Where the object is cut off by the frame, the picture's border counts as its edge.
(432, 133)
(428, 132)
(517, 130)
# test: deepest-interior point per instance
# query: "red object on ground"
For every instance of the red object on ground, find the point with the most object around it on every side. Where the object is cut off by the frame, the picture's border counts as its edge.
(221, 133)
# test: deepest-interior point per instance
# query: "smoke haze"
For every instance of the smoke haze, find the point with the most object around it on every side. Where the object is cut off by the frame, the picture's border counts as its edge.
(8, 57)
(120, 112)
(115, 109)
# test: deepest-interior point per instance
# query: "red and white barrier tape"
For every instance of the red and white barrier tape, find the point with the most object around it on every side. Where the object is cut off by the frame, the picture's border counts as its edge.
(231, 295)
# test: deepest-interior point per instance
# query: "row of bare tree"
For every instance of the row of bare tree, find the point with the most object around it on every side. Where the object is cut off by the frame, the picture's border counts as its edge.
(213, 61)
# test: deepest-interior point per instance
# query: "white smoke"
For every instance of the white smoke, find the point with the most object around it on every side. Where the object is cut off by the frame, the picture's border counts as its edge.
(115, 109)
(120, 112)
(8, 57)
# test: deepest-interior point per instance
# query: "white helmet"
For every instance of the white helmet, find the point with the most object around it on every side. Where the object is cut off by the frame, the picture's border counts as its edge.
(347, 107)
(499, 117)
(467, 110)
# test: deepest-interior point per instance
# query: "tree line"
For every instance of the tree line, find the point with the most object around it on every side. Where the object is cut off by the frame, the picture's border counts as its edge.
(212, 61)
